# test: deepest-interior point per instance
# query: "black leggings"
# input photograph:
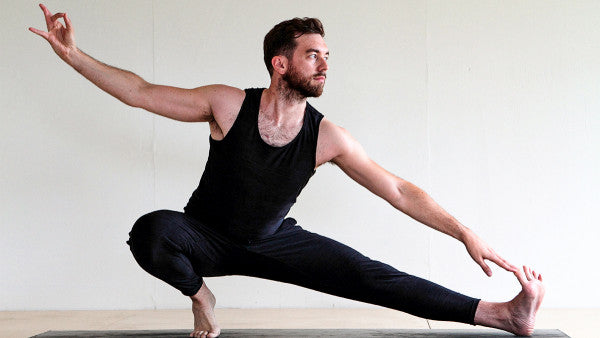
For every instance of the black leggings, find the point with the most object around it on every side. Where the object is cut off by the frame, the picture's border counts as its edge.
(180, 250)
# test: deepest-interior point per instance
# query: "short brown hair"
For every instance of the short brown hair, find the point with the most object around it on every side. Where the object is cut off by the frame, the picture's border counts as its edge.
(281, 39)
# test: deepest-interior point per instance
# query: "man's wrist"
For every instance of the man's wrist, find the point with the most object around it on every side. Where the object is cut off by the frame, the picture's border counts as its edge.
(463, 233)
(75, 59)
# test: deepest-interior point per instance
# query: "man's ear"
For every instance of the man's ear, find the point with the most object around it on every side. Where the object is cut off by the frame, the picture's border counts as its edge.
(280, 64)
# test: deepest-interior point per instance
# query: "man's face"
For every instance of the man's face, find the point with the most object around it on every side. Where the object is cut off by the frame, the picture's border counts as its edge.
(307, 69)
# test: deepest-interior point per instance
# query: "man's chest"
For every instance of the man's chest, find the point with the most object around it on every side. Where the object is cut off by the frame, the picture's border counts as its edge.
(277, 135)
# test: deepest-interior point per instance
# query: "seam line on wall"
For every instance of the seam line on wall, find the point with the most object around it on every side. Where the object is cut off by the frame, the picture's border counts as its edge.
(154, 286)
(428, 129)
(153, 116)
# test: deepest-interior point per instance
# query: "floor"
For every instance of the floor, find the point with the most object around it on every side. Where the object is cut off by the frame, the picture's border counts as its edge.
(578, 323)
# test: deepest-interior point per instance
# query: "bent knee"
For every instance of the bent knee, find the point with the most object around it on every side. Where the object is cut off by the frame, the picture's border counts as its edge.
(151, 225)
(148, 233)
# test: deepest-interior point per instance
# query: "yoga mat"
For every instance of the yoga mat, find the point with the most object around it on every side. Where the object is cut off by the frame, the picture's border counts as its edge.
(284, 333)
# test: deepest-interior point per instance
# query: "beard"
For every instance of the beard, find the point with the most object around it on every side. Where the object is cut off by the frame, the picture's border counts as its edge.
(300, 87)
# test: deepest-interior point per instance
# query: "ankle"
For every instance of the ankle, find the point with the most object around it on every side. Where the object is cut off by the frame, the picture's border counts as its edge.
(204, 297)
(490, 314)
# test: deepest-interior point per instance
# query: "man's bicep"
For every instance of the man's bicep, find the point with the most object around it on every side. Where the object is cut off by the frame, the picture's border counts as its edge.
(187, 105)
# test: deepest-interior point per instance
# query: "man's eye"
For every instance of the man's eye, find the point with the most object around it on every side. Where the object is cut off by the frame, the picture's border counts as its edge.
(314, 56)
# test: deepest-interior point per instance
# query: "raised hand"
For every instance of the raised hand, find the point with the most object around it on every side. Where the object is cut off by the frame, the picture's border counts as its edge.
(480, 252)
(61, 38)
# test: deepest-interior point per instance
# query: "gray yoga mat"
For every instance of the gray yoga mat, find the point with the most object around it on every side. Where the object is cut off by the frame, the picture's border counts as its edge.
(284, 333)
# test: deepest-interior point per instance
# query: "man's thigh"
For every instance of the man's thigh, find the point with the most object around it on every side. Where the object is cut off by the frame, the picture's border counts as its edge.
(175, 240)
(297, 256)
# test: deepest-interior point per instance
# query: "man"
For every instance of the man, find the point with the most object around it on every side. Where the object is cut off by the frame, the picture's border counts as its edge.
(265, 144)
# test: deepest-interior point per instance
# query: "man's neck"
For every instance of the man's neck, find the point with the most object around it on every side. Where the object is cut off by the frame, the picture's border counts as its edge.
(281, 106)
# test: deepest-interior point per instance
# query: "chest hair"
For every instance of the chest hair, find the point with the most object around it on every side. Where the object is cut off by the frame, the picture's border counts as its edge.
(275, 135)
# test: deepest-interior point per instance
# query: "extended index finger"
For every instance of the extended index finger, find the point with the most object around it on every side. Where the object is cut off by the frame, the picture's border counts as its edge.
(503, 263)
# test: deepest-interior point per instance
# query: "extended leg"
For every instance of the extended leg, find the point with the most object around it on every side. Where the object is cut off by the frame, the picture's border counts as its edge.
(296, 256)
(303, 258)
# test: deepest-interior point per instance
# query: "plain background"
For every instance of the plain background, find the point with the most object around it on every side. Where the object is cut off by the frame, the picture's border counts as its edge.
(492, 107)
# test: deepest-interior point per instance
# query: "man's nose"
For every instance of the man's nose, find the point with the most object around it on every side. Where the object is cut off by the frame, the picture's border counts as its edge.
(323, 66)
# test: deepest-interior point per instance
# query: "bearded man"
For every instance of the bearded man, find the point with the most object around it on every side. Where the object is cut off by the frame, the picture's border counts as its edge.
(265, 144)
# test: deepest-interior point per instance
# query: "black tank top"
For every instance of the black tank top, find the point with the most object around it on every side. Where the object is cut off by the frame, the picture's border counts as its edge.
(248, 186)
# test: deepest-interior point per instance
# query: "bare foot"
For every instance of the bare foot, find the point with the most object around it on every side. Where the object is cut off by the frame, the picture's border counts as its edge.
(518, 315)
(523, 308)
(203, 305)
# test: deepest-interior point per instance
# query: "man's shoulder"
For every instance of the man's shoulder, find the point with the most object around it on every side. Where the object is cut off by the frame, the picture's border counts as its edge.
(333, 141)
(332, 130)
(223, 96)
(223, 91)
(332, 135)
(225, 103)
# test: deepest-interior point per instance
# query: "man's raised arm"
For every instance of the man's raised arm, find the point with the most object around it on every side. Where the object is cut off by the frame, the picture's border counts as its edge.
(343, 150)
(189, 105)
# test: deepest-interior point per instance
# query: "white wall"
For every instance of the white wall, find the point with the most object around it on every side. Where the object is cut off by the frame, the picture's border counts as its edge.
(491, 107)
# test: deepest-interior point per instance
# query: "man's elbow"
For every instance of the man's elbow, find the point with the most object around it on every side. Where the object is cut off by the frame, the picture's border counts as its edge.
(404, 192)
(139, 96)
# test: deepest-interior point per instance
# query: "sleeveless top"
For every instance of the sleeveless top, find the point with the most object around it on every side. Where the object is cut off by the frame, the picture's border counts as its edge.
(248, 186)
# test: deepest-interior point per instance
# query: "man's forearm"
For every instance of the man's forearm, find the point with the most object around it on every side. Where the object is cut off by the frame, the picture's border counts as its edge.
(122, 84)
(417, 204)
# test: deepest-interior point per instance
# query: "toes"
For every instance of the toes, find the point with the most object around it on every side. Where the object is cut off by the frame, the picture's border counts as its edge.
(527, 272)
(205, 334)
(530, 274)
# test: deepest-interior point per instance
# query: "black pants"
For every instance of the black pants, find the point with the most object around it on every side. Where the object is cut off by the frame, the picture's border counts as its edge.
(180, 250)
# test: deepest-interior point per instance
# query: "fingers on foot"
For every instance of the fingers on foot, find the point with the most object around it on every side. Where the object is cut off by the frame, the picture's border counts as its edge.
(521, 277)
(507, 266)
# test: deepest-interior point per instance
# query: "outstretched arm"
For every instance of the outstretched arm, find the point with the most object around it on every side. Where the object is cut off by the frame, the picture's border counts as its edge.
(343, 150)
(189, 105)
